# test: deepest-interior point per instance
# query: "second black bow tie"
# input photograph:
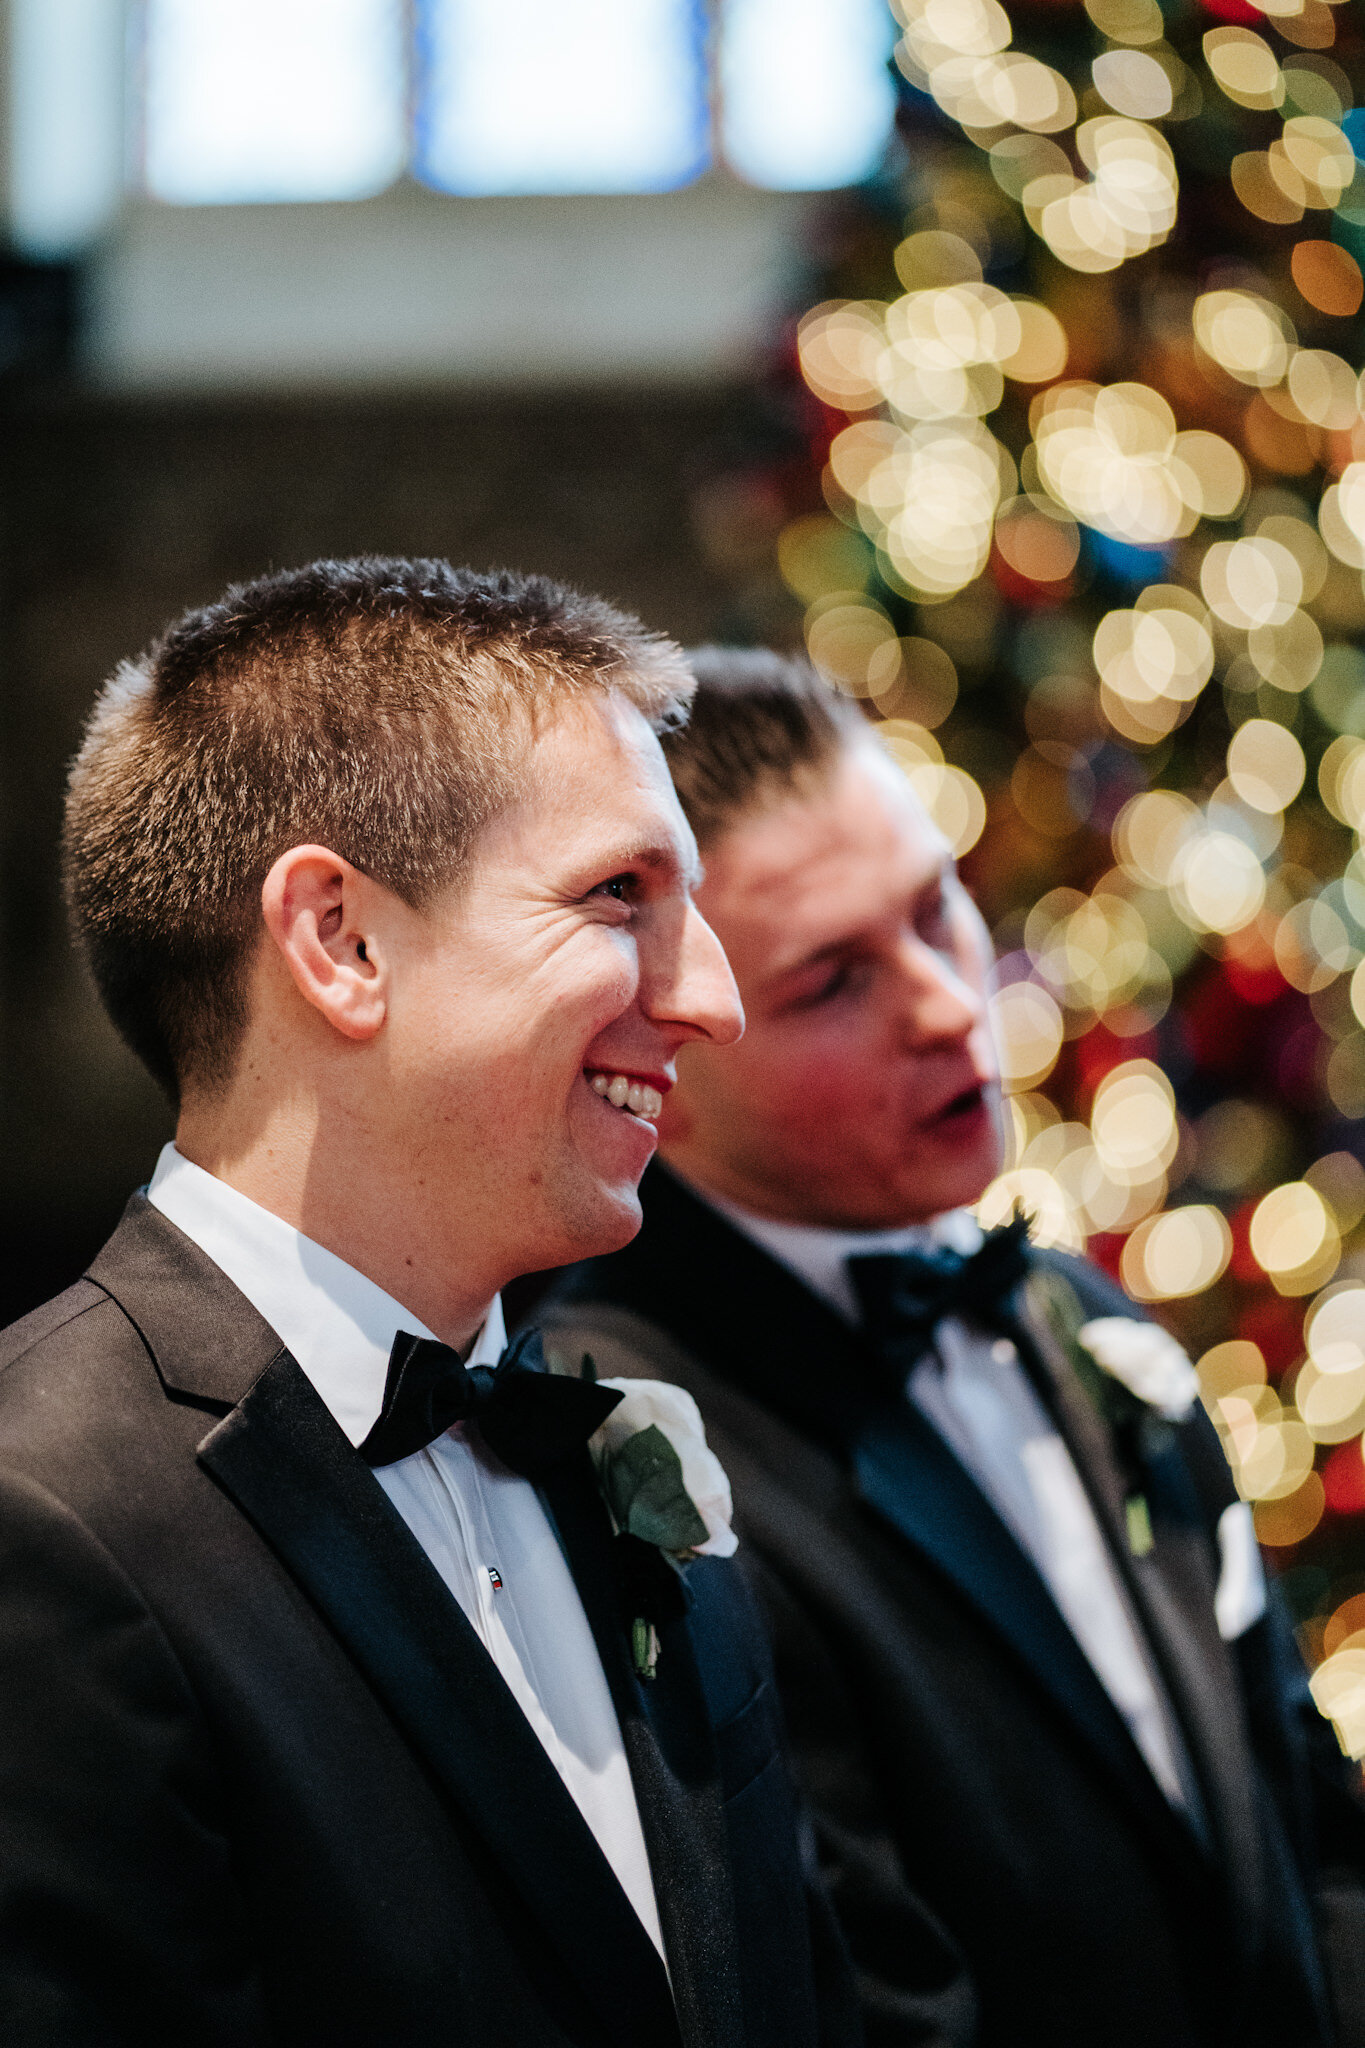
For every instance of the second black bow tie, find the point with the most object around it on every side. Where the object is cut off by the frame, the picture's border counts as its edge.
(531, 1419)
(905, 1295)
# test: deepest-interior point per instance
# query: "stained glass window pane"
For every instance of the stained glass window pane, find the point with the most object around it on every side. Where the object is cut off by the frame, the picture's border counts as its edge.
(806, 99)
(272, 99)
(561, 95)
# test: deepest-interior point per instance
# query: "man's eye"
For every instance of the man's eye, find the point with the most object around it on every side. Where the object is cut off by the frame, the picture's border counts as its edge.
(825, 991)
(618, 888)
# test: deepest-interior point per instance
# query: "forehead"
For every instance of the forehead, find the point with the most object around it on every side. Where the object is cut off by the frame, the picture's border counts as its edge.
(593, 786)
(822, 865)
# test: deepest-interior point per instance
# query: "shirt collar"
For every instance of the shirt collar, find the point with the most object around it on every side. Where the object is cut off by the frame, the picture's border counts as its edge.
(819, 1256)
(337, 1324)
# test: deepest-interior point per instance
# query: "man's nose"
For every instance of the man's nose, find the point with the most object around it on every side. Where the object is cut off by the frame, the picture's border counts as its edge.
(698, 992)
(939, 1001)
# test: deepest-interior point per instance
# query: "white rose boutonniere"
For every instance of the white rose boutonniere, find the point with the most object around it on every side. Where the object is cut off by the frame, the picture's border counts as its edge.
(667, 1491)
(1146, 1360)
(662, 1480)
(1135, 1376)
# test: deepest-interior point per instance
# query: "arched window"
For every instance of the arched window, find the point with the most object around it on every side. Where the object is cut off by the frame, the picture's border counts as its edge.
(277, 100)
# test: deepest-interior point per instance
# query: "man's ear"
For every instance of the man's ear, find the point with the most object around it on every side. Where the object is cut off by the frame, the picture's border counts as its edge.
(319, 912)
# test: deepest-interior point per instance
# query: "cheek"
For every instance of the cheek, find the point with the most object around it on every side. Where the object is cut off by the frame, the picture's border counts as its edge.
(609, 987)
(817, 1080)
(589, 992)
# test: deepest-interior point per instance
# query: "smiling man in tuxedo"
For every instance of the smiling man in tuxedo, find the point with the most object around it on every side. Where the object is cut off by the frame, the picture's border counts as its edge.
(1029, 1666)
(319, 1721)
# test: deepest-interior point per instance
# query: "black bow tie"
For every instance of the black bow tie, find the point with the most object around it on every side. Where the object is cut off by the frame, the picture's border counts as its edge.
(531, 1419)
(905, 1295)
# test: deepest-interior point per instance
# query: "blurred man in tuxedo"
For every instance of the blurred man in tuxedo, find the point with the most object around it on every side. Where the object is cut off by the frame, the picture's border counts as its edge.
(320, 1720)
(1028, 1661)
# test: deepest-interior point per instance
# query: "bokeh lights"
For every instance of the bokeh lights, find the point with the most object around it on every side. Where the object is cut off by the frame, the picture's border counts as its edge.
(1081, 522)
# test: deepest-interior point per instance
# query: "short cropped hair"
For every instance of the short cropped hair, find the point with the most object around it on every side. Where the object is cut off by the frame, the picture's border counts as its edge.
(762, 726)
(380, 707)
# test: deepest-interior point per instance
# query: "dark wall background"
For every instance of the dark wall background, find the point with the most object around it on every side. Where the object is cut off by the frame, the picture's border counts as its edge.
(119, 514)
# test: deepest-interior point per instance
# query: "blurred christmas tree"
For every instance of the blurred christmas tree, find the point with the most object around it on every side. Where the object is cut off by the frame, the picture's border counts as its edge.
(1065, 471)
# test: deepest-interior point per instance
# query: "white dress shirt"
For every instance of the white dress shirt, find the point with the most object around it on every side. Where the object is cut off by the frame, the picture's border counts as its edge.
(974, 1391)
(484, 1528)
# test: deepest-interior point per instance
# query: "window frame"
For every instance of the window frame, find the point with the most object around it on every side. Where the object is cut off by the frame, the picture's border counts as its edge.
(715, 169)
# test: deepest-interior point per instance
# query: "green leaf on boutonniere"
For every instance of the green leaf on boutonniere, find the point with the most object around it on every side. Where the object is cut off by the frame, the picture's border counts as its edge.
(1134, 1432)
(644, 1647)
(1140, 1536)
(1056, 1301)
(643, 1483)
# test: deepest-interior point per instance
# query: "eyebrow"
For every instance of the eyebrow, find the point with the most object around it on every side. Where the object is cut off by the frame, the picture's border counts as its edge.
(945, 872)
(658, 855)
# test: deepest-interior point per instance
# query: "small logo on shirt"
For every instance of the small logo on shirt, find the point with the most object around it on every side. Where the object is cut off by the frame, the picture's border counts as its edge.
(495, 1578)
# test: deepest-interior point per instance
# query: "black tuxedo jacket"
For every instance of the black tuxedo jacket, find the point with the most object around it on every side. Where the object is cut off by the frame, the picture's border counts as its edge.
(954, 1742)
(261, 1783)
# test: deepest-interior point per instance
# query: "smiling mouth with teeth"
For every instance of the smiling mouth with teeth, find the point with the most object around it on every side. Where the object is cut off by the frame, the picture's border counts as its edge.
(637, 1098)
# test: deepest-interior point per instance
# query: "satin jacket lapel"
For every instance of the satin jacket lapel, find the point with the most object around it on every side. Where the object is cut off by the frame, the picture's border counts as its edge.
(673, 1764)
(912, 1480)
(291, 1471)
(282, 1459)
(1194, 1661)
(759, 1327)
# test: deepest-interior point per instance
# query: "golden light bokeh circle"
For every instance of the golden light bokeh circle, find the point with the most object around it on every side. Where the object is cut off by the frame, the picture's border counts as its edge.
(1180, 1252)
(1266, 764)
